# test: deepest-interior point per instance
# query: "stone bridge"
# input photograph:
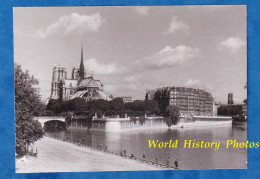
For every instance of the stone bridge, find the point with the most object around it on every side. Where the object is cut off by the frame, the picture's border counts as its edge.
(44, 119)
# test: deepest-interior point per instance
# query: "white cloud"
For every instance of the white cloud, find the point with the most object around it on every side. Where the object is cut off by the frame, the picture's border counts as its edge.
(102, 69)
(233, 43)
(168, 57)
(116, 89)
(142, 10)
(130, 78)
(73, 24)
(177, 25)
(196, 83)
(192, 83)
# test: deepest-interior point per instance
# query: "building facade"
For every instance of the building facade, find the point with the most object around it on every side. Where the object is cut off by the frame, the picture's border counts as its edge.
(78, 85)
(127, 99)
(189, 101)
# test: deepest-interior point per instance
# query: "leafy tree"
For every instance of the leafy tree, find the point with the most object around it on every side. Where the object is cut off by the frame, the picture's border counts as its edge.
(99, 114)
(100, 104)
(110, 108)
(27, 105)
(117, 104)
(148, 106)
(54, 105)
(151, 106)
(111, 96)
(77, 104)
(138, 105)
(230, 110)
(172, 115)
(111, 113)
(142, 120)
(245, 101)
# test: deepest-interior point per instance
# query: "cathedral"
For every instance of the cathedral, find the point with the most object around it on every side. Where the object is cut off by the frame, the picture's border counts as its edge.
(65, 88)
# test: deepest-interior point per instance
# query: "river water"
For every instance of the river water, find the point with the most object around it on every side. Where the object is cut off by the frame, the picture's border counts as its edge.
(136, 142)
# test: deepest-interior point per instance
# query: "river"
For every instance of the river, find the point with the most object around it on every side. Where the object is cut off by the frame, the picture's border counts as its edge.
(136, 142)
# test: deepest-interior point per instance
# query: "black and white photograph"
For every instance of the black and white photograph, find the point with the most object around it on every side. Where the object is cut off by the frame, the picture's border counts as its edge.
(129, 88)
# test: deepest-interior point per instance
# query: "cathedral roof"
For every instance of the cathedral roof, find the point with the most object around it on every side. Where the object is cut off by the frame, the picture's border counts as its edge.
(90, 82)
(89, 95)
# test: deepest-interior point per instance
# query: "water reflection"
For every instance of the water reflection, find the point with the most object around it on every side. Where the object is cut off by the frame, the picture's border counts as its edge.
(136, 142)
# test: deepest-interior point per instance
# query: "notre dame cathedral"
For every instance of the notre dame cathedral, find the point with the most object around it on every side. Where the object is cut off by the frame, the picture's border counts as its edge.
(78, 85)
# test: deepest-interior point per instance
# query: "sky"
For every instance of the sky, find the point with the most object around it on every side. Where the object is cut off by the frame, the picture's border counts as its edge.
(134, 48)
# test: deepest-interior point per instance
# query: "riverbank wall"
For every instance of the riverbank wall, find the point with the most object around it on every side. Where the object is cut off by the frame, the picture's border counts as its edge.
(126, 124)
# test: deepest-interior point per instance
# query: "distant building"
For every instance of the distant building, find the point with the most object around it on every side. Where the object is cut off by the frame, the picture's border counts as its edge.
(127, 99)
(230, 98)
(150, 94)
(189, 101)
(215, 108)
(231, 109)
(78, 85)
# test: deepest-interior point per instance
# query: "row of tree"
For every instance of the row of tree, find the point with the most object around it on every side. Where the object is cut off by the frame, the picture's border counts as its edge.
(114, 107)
(230, 110)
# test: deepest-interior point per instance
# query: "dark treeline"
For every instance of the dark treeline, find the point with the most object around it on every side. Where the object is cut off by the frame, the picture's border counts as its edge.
(102, 107)
(230, 110)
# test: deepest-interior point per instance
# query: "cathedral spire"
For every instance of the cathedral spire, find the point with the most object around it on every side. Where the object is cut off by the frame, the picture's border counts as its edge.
(81, 67)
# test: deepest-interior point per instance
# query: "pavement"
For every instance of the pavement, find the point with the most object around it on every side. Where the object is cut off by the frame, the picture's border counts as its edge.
(59, 156)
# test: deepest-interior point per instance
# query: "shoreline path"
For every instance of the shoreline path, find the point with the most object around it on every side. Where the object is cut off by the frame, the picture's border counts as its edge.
(58, 156)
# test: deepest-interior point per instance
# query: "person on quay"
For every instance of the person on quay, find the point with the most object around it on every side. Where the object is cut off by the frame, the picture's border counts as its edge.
(176, 163)
(168, 162)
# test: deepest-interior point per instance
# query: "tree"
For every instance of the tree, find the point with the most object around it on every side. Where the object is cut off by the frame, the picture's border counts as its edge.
(77, 104)
(27, 105)
(99, 104)
(245, 101)
(172, 115)
(142, 120)
(151, 106)
(117, 104)
(230, 110)
(54, 105)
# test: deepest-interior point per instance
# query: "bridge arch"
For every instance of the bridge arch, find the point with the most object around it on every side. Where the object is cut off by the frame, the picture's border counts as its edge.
(44, 119)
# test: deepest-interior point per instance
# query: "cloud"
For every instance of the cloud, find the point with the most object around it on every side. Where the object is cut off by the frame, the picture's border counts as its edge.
(177, 25)
(168, 57)
(196, 83)
(73, 24)
(116, 89)
(130, 78)
(233, 43)
(192, 83)
(142, 10)
(102, 69)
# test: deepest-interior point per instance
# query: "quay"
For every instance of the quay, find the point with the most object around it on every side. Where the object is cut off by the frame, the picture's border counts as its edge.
(59, 156)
